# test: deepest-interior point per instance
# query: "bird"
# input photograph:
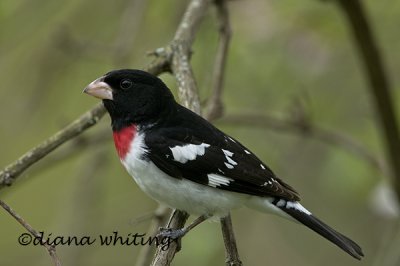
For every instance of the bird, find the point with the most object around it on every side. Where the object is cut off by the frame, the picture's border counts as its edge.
(180, 159)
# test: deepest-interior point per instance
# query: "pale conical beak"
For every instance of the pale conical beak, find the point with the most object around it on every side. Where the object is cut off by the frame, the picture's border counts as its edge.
(99, 89)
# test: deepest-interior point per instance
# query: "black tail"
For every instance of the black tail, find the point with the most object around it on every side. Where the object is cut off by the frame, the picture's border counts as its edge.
(324, 230)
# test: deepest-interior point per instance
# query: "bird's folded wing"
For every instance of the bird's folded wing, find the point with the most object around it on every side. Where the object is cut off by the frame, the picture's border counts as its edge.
(222, 164)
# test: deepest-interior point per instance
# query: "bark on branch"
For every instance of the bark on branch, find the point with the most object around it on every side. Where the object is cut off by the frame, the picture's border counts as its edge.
(11, 172)
(232, 254)
(50, 248)
(14, 170)
(179, 53)
(379, 83)
(174, 58)
(308, 129)
(215, 107)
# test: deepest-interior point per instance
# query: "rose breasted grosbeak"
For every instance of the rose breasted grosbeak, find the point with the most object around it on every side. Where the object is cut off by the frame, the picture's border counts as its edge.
(180, 159)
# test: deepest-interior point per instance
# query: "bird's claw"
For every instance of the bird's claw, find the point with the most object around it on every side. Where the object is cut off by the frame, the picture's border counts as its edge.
(171, 234)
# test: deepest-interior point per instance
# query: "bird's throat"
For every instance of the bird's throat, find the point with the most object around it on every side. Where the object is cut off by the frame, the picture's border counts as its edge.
(123, 139)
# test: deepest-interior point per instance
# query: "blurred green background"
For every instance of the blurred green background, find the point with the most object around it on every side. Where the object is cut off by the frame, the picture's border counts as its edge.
(282, 53)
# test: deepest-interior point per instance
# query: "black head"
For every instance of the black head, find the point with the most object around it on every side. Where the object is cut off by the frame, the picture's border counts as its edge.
(132, 96)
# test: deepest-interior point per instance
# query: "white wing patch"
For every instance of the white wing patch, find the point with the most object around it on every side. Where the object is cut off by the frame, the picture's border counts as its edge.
(215, 180)
(269, 182)
(232, 162)
(188, 152)
(262, 166)
(229, 166)
(246, 151)
(228, 155)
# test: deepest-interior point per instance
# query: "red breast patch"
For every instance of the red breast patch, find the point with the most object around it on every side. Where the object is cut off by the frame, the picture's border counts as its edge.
(123, 139)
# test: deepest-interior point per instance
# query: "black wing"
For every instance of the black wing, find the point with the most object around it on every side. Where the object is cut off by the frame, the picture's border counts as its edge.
(224, 157)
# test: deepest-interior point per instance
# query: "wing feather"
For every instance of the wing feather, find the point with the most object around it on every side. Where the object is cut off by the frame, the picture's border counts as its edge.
(220, 155)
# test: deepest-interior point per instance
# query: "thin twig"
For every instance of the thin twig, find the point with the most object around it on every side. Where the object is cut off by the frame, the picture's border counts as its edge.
(50, 248)
(215, 107)
(90, 118)
(215, 110)
(304, 128)
(73, 148)
(181, 52)
(165, 257)
(177, 60)
(232, 255)
(379, 82)
(12, 171)
(159, 218)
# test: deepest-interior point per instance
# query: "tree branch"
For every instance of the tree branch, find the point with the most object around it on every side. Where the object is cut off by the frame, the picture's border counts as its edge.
(181, 52)
(159, 219)
(215, 107)
(177, 220)
(12, 171)
(215, 110)
(306, 128)
(73, 148)
(174, 58)
(50, 248)
(232, 255)
(379, 83)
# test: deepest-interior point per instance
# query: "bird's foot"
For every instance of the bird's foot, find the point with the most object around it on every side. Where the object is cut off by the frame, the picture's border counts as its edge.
(171, 235)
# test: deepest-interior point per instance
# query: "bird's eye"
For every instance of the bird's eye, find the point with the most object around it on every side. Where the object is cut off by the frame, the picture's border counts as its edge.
(126, 84)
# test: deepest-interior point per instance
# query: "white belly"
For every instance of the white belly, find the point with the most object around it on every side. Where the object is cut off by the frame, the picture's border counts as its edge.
(177, 193)
(183, 194)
